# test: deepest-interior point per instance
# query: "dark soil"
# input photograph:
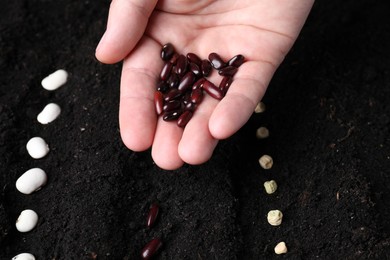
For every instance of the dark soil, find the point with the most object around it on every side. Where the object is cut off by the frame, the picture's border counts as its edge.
(328, 111)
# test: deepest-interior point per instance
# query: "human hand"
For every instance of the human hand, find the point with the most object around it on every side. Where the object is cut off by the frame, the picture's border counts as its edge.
(261, 30)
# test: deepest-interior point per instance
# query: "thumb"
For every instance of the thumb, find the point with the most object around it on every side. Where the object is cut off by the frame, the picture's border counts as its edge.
(127, 20)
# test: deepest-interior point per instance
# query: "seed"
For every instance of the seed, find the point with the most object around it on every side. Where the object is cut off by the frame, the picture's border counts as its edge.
(55, 80)
(186, 81)
(172, 115)
(196, 96)
(152, 215)
(225, 84)
(195, 69)
(262, 132)
(216, 61)
(260, 108)
(189, 106)
(280, 248)
(171, 105)
(266, 162)
(26, 221)
(172, 94)
(212, 90)
(205, 68)
(174, 58)
(49, 113)
(192, 57)
(173, 80)
(32, 180)
(275, 217)
(184, 118)
(158, 102)
(198, 83)
(236, 61)
(270, 186)
(162, 86)
(181, 65)
(23, 256)
(37, 147)
(151, 248)
(167, 51)
(228, 71)
(166, 71)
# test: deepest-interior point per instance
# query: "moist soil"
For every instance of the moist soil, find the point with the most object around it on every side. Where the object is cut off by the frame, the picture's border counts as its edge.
(328, 112)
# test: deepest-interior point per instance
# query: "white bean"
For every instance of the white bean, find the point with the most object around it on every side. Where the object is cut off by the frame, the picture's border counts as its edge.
(49, 113)
(27, 220)
(260, 108)
(280, 248)
(270, 186)
(32, 180)
(55, 80)
(37, 147)
(275, 217)
(23, 256)
(262, 132)
(266, 162)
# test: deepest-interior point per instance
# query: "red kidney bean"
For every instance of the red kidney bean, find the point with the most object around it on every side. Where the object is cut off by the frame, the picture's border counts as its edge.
(225, 84)
(189, 106)
(186, 98)
(167, 51)
(162, 86)
(216, 61)
(236, 61)
(186, 81)
(195, 69)
(171, 105)
(172, 115)
(196, 96)
(172, 94)
(192, 57)
(227, 71)
(158, 102)
(198, 83)
(166, 71)
(173, 80)
(181, 65)
(152, 215)
(184, 118)
(174, 58)
(205, 68)
(212, 90)
(151, 248)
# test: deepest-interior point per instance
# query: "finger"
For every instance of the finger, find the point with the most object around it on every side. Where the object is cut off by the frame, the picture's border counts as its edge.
(165, 145)
(197, 144)
(137, 117)
(248, 87)
(126, 24)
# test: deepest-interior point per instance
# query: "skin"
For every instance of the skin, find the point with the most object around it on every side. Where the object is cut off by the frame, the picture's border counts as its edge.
(261, 30)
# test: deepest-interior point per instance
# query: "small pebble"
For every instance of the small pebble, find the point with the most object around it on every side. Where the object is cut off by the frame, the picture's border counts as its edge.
(262, 132)
(32, 180)
(23, 256)
(280, 248)
(270, 186)
(55, 80)
(49, 113)
(266, 162)
(260, 108)
(275, 217)
(37, 147)
(26, 221)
